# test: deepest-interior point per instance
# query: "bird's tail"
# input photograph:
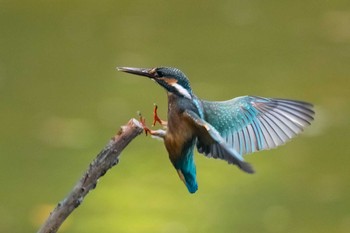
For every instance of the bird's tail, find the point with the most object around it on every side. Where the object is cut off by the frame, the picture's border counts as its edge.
(189, 180)
(186, 169)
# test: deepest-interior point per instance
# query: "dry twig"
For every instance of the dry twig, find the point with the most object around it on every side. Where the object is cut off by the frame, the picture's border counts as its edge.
(105, 160)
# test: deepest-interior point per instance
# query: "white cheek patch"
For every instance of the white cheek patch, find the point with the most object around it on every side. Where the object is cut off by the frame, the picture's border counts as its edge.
(181, 90)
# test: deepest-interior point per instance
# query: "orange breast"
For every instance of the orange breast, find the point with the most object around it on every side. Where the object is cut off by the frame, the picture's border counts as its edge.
(179, 134)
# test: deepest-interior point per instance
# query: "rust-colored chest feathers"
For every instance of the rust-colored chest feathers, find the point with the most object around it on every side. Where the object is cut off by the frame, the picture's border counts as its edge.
(180, 131)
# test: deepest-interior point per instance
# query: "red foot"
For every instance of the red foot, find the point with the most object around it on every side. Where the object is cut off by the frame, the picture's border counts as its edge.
(155, 120)
(155, 116)
(143, 122)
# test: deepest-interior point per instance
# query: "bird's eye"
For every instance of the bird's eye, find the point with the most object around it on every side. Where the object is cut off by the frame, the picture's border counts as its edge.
(159, 73)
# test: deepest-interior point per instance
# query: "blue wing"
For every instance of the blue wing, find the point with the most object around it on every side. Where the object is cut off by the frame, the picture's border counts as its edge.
(250, 123)
(209, 136)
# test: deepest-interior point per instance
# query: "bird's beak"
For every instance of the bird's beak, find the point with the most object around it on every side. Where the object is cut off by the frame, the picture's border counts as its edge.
(151, 73)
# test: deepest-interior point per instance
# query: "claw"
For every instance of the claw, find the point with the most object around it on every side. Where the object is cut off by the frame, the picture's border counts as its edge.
(143, 123)
(155, 116)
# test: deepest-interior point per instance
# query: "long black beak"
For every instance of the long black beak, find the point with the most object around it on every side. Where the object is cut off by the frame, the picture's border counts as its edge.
(151, 73)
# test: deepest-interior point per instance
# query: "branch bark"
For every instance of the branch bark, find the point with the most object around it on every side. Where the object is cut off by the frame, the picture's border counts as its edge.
(105, 160)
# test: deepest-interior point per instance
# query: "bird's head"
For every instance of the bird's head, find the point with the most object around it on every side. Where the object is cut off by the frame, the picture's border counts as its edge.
(172, 79)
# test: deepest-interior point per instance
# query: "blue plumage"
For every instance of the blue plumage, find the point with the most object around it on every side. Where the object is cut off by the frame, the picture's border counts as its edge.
(225, 130)
(250, 123)
(186, 168)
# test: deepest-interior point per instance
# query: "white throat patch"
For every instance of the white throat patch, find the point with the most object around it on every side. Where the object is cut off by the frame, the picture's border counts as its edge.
(181, 90)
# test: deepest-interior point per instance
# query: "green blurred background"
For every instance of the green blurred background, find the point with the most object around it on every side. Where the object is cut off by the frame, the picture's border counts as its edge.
(62, 99)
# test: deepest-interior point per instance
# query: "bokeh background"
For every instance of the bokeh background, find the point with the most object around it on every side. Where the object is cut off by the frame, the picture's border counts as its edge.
(62, 100)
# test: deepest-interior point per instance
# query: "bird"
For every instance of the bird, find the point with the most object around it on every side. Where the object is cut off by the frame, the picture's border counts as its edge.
(225, 130)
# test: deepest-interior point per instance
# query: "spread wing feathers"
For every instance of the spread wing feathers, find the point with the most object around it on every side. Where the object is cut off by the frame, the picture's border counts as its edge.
(209, 136)
(251, 123)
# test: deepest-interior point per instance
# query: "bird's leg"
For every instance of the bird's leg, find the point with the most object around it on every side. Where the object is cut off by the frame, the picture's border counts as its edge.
(156, 133)
(156, 117)
(143, 123)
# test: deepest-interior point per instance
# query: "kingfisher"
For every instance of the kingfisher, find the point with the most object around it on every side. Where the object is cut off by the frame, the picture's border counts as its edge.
(224, 130)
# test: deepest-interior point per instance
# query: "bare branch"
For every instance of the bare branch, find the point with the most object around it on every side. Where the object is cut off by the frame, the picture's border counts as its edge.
(105, 160)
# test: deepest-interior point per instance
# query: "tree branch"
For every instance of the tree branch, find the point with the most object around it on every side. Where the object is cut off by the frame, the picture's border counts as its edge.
(105, 160)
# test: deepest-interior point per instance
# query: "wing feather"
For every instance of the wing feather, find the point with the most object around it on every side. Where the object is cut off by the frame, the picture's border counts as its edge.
(250, 123)
(213, 144)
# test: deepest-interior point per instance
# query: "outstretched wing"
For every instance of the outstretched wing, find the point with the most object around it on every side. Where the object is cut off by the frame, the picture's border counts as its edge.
(209, 136)
(250, 123)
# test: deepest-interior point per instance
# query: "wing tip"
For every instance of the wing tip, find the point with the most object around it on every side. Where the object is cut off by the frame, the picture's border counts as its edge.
(247, 167)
